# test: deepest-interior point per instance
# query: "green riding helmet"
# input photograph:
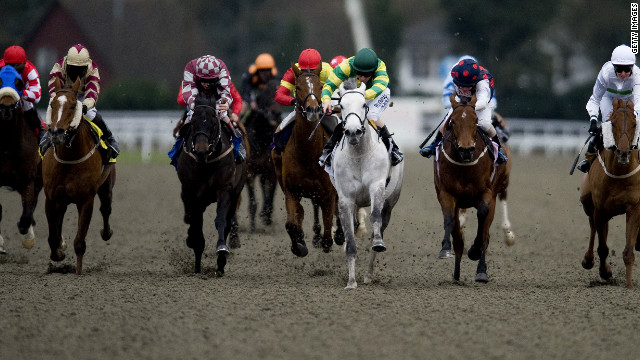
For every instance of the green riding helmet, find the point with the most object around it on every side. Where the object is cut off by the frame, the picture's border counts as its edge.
(365, 61)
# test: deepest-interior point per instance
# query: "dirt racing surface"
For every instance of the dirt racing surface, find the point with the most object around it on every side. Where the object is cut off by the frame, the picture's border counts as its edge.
(139, 298)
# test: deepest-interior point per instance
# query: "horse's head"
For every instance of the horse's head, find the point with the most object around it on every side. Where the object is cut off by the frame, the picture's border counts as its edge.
(464, 122)
(204, 130)
(354, 110)
(308, 92)
(623, 129)
(64, 113)
(268, 106)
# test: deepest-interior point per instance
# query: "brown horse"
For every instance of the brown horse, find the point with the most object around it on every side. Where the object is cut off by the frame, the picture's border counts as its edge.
(260, 125)
(73, 173)
(465, 176)
(297, 169)
(20, 164)
(612, 187)
(208, 173)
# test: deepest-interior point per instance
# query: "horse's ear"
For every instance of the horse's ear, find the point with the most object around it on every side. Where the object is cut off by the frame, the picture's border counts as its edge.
(76, 85)
(452, 99)
(56, 85)
(296, 70)
(474, 99)
(630, 104)
(318, 69)
(19, 84)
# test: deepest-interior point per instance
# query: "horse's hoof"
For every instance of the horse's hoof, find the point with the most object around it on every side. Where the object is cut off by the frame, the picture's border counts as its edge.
(606, 274)
(57, 256)
(445, 254)
(222, 250)
(106, 236)
(509, 238)
(482, 277)
(299, 250)
(29, 238)
(378, 246)
(587, 264)
(317, 241)
(474, 253)
(351, 285)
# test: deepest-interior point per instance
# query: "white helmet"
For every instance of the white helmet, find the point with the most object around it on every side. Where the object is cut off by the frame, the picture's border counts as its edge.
(622, 55)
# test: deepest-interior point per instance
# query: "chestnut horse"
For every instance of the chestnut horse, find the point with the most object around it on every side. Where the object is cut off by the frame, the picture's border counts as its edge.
(260, 125)
(299, 174)
(20, 164)
(465, 176)
(612, 187)
(73, 173)
(208, 174)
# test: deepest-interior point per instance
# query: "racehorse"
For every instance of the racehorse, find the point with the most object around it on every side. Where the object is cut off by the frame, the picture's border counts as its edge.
(612, 187)
(73, 173)
(209, 174)
(20, 164)
(465, 175)
(363, 176)
(298, 172)
(260, 125)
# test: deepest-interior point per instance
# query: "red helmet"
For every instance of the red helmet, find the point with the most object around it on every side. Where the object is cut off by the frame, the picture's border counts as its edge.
(337, 61)
(309, 59)
(14, 55)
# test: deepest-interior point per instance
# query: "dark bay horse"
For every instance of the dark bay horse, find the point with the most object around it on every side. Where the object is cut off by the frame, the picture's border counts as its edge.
(465, 176)
(612, 187)
(260, 125)
(20, 165)
(209, 174)
(297, 168)
(73, 173)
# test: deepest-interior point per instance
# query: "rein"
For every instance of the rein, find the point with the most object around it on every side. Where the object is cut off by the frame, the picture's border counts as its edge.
(212, 144)
(68, 146)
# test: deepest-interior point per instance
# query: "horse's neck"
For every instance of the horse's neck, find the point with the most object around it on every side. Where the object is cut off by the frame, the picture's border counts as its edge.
(16, 133)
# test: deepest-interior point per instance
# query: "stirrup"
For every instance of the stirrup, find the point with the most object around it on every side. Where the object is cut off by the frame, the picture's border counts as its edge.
(325, 158)
(502, 158)
(584, 166)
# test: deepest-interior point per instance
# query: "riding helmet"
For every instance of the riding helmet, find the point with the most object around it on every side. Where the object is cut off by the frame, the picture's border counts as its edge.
(14, 55)
(265, 61)
(623, 55)
(466, 73)
(365, 61)
(309, 59)
(207, 67)
(78, 55)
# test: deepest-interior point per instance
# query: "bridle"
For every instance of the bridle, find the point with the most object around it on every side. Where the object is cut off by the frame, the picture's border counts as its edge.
(366, 110)
(301, 106)
(212, 141)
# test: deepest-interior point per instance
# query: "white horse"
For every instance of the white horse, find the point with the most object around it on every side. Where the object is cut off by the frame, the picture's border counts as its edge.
(363, 176)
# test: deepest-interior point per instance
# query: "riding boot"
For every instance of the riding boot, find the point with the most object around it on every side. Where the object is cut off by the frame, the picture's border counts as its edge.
(396, 154)
(501, 158)
(585, 164)
(280, 139)
(32, 119)
(335, 138)
(112, 143)
(45, 143)
(430, 150)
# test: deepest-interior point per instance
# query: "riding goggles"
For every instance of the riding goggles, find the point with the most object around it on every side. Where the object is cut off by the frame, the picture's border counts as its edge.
(623, 68)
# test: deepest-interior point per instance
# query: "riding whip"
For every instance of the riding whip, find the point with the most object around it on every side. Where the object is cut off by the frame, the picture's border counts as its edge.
(433, 132)
(580, 153)
(316, 128)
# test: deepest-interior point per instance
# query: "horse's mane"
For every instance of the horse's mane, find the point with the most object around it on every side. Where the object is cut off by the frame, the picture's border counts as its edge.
(351, 84)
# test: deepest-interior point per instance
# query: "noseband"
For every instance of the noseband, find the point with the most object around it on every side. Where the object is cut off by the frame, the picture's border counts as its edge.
(366, 110)
(301, 107)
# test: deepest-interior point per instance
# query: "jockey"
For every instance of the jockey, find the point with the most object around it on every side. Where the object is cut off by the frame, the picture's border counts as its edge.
(368, 69)
(618, 79)
(210, 73)
(16, 57)
(470, 79)
(77, 64)
(448, 88)
(308, 60)
(260, 72)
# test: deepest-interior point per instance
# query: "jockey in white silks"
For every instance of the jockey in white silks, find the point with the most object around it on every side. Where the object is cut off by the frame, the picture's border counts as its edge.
(618, 79)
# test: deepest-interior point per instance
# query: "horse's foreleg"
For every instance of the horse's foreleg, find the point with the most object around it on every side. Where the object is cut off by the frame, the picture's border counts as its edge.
(377, 203)
(105, 195)
(253, 204)
(449, 212)
(25, 225)
(602, 228)
(295, 216)
(328, 212)
(2, 249)
(587, 261)
(486, 211)
(633, 221)
(55, 215)
(224, 212)
(85, 212)
(317, 229)
(509, 236)
(268, 184)
(346, 210)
